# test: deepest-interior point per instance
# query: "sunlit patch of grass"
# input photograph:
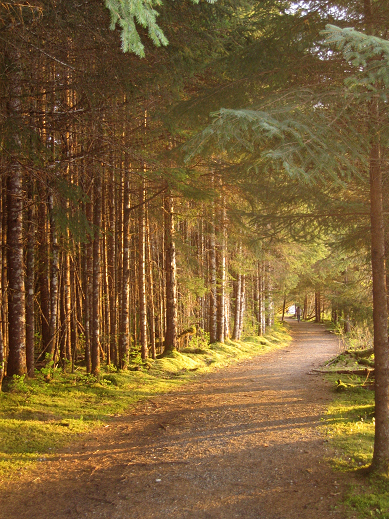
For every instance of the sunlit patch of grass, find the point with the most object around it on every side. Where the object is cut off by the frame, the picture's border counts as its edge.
(37, 417)
(349, 426)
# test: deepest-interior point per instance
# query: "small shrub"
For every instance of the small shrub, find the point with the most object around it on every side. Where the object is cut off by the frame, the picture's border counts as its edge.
(18, 384)
(200, 340)
(110, 379)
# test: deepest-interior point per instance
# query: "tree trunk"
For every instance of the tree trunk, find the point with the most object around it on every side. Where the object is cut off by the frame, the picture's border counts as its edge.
(221, 265)
(237, 298)
(242, 306)
(16, 290)
(43, 276)
(2, 350)
(142, 273)
(30, 283)
(54, 278)
(112, 272)
(95, 321)
(380, 462)
(124, 343)
(212, 283)
(151, 293)
(269, 304)
(317, 306)
(283, 308)
(171, 279)
(87, 261)
(305, 310)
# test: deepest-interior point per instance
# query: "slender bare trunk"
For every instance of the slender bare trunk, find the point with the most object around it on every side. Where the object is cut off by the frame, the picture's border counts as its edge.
(237, 298)
(212, 282)
(242, 306)
(124, 343)
(16, 294)
(2, 350)
(54, 279)
(142, 273)
(171, 278)
(95, 321)
(30, 283)
(221, 265)
(151, 292)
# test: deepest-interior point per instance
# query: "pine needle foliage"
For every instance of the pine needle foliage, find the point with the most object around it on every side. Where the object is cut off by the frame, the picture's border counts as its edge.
(303, 136)
(130, 13)
(368, 54)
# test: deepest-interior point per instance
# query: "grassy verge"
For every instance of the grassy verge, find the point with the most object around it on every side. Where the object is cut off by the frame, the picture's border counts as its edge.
(38, 417)
(349, 426)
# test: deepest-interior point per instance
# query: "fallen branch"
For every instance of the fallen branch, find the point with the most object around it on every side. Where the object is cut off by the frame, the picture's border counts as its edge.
(362, 371)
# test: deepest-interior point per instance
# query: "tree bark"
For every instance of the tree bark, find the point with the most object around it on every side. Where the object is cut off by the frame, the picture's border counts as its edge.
(43, 270)
(171, 278)
(151, 292)
(2, 349)
(221, 265)
(124, 343)
(237, 298)
(212, 282)
(95, 321)
(54, 278)
(242, 306)
(380, 461)
(30, 282)
(142, 273)
(16, 290)
(269, 304)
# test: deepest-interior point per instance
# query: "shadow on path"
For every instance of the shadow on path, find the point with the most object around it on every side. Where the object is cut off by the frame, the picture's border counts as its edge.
(242, 442)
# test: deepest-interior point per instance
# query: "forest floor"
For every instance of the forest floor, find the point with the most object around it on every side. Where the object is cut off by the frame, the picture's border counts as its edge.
(242, 442)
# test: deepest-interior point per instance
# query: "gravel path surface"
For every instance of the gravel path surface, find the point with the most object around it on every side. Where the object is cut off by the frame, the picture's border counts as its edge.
(242, 442)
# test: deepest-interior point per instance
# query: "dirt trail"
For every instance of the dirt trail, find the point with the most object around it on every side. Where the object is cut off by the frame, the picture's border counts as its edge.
(242, 442)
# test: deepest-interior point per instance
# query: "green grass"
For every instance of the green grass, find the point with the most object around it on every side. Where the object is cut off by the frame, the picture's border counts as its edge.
(349, 426)
(38, 417)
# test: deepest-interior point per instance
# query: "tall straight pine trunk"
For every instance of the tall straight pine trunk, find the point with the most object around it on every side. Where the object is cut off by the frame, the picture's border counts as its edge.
(95, 321)
(151, 291)
(124, 343)
(380, 309)
(30, 281)
(237, 299)
(2, 349)
(171, 278)
(142, 273)
(212, 280)
(16, 290)
(221, 267)
(54, 280)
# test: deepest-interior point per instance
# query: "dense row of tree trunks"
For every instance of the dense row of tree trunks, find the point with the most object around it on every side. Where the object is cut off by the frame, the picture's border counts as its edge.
(94, 276)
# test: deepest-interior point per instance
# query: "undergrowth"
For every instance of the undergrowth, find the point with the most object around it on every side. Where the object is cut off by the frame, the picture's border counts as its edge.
(349, 426)
(39, 415)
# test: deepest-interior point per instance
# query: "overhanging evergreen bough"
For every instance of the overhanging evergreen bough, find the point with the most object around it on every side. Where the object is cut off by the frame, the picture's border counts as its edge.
(128, 13)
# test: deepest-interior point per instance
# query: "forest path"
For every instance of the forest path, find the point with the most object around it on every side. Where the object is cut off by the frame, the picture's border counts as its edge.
(242, 442)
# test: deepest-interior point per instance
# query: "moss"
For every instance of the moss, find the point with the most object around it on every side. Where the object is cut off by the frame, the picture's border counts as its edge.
(37, 417)
(349, 427)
